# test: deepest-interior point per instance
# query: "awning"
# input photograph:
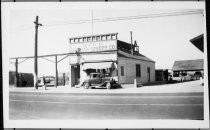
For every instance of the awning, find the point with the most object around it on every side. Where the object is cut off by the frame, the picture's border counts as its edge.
(100, 65)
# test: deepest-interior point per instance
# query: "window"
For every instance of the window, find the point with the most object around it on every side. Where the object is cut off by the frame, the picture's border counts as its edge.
(138, 70)
(113, 37)
(175, 74)
(88, 38)
(84, 39)
(122, 70)
(95, 75)
(71, 40)
(98, 38)
(108, 37)
(80, 40)
(103, 37)
(148, 69)
(93, 38)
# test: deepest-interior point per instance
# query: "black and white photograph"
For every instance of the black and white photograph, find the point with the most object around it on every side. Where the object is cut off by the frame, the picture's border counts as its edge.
(105, 65)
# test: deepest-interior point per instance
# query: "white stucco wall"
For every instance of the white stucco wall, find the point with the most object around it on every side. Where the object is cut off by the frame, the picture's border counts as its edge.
(130, 70)
(93, 57)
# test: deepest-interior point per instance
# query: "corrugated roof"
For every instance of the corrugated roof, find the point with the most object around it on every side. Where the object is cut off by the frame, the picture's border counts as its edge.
(188, 65)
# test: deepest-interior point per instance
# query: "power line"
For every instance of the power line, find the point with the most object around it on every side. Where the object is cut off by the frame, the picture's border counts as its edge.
(126, 18)
(155, 15)
(151, 16)
(97, 20)
(148, 15)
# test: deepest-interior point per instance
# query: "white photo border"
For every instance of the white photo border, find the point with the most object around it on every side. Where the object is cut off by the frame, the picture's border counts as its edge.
(7, 7)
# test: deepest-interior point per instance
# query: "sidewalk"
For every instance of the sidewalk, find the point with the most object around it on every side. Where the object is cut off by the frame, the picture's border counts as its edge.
(185, 87)
(193, 86)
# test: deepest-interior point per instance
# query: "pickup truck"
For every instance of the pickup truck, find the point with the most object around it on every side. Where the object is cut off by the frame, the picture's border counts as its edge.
(99, 80)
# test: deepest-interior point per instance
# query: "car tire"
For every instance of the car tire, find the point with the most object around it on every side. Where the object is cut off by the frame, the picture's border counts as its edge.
(86, 85)
(108, 85)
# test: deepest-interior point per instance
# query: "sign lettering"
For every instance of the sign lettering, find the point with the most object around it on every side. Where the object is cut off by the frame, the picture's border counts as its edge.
(93, 46)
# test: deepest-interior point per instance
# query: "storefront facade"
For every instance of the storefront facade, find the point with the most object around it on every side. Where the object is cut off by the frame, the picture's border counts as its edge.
(106, 54)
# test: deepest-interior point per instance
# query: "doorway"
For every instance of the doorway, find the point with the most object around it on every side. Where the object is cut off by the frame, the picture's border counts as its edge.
(77, 74)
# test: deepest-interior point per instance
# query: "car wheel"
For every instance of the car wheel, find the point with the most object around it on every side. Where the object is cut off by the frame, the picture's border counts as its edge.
(86, 85)
(108, 85)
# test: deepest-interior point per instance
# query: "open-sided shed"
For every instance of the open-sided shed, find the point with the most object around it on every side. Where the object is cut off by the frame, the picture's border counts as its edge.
(188, 65)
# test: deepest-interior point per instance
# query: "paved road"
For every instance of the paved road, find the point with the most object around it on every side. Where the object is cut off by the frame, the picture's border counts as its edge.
(106, 106)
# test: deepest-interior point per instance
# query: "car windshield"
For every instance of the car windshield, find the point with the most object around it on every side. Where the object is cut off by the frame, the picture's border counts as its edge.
(184, 74)
(197, 73)
(175, 74)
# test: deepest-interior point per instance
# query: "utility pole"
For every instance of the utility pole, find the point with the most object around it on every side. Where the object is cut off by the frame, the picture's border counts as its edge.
(64, 79)
(16, 73)
(37, 24)
(131, 43)
(56, 71)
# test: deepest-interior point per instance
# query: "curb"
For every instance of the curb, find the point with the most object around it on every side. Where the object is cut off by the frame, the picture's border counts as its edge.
(110, 94)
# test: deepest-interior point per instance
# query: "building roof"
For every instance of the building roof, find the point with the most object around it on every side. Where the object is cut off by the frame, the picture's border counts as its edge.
(124, 50)
(138, 57)
(189, 65)
(198, 42)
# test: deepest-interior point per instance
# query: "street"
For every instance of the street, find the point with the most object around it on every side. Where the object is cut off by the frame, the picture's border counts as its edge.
(106, 106)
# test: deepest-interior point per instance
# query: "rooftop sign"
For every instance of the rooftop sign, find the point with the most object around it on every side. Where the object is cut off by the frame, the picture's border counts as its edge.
(92, 38)
(93, 43)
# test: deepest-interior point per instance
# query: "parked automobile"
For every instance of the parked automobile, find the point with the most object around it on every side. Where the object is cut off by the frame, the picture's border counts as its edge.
(49, 81)
(186, 78)
(99, 80)
(182, 77)
(197, 75)
(178, 79)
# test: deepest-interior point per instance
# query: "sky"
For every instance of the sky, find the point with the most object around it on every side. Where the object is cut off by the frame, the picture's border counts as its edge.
(162, 39)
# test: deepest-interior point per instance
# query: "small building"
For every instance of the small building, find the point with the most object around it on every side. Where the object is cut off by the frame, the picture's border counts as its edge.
(190, 67)
(106, 54)
(24, 79)
(161, 75)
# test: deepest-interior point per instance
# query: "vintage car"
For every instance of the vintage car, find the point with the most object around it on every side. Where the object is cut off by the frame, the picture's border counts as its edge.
(49, 81)
(197, 75)
(182, 77)
(99, 80)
